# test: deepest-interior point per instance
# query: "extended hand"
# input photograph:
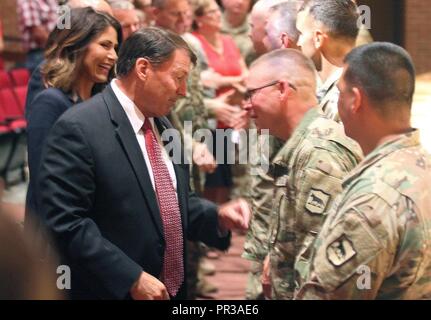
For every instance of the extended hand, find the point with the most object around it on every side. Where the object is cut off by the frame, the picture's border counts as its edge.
(203, 158)
(234, 215)
(149, 288)
(223, 111)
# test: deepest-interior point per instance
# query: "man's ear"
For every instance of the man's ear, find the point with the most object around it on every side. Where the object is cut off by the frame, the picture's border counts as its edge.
(142, 66)
(285, 90)
(358, 96)
(319, 38)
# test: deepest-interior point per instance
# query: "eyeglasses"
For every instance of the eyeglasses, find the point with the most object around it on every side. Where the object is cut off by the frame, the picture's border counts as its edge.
(250, 92)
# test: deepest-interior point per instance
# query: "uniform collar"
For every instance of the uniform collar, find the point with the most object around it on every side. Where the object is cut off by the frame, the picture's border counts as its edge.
(323, 88)
(401, 141)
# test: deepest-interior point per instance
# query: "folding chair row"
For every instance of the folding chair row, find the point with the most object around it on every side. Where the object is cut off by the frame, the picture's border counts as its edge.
(12, 102)
(14, 78)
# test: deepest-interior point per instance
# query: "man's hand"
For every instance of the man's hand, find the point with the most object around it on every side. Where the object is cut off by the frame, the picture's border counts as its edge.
(241, 120)
(266, 279)
(203, 158)
(149, 288)
(222, 110)
(234, 215)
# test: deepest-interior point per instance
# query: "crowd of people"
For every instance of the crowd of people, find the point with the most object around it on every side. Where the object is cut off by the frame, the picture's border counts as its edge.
(344, 196)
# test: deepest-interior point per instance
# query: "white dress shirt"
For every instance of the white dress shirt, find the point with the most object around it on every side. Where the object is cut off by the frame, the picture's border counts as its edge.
(137, 119)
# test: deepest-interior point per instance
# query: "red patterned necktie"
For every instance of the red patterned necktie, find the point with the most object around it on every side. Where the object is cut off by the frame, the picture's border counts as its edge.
(173, 267)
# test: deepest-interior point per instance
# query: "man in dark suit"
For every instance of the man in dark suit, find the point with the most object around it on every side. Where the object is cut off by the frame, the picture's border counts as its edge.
(117, 207)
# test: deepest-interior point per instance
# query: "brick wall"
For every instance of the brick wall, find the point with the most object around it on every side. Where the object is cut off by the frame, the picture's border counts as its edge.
(417, 33)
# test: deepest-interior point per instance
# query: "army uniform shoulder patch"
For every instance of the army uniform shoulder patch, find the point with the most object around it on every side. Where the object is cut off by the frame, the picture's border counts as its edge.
(317, 201)
(340, 251)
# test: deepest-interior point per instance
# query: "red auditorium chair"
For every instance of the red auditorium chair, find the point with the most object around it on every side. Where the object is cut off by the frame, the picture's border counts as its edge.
(21, 95)
(11, 123)
(5, 80)
(20, 77)
(9, 104)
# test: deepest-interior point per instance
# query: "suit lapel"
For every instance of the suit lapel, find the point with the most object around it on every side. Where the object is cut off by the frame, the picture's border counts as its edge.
(130, 145)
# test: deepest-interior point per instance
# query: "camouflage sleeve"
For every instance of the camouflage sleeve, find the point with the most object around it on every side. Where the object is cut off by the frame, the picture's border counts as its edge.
(261, 200)
(256, 243)
(354, 252)
(317, 183)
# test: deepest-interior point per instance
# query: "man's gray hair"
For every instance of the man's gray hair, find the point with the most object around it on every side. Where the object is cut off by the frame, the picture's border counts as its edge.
(289, 64)
(121, 5)
(285, 19)
(266, 4)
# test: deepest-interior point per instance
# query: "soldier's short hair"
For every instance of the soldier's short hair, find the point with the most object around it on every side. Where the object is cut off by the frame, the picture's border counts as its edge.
(155, 44)
(340, 17)
(285, 20)
(290, 64)
(384, 71)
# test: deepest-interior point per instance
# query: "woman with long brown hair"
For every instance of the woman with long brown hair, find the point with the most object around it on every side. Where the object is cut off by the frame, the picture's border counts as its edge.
(79, 61)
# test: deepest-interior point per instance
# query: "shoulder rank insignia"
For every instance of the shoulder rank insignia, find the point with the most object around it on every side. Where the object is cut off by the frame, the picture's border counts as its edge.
(317, 201)
(340, 251)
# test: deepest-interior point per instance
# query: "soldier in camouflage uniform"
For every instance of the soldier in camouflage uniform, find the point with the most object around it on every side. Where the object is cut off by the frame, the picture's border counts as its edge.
(376, 241)
(326, 41)
(307, 170)
(312, 165)
(281, 21)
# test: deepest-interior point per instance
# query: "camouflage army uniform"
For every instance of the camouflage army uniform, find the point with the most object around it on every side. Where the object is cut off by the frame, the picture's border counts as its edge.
(255, 246)
(262, 191)
(380, 226)
(328, 93)
(310, 169)
(242, 39)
